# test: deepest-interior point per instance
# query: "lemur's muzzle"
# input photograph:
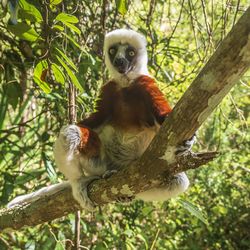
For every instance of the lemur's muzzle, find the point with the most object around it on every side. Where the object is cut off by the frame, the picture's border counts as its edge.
(121, 64)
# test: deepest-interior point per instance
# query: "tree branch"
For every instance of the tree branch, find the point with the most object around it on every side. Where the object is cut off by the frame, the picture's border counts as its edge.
(158, 163)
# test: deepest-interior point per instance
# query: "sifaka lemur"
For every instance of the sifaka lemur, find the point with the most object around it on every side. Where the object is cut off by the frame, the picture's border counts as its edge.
(129, 112)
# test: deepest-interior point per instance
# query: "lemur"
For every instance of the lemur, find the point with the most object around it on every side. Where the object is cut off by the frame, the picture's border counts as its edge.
(129, 112)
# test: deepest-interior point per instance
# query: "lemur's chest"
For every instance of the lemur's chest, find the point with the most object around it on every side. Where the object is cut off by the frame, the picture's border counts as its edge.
(122, 147)
(130, 109)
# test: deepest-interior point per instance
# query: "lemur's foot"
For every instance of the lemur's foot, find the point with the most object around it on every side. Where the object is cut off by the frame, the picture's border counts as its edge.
(186, 145)
(109, 173)
(80, 191)
(71, 136)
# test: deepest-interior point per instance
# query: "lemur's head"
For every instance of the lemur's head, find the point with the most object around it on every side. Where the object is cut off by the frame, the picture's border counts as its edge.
(125, 54)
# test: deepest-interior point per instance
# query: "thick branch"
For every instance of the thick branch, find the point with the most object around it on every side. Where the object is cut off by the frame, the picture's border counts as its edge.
(61, 203)
(158, 163)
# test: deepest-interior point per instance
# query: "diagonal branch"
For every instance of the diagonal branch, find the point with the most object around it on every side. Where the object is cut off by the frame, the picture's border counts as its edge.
(220, 74)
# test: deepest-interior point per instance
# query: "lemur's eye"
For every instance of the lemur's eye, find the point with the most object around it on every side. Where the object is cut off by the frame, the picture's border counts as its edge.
(112, 51)
(131, 53)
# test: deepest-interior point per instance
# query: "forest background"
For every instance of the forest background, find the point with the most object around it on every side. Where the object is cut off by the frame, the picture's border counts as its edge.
(47, 45)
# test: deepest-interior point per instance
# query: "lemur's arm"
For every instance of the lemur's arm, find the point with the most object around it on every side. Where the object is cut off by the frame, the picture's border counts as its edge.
(155, 98)
(103, 107)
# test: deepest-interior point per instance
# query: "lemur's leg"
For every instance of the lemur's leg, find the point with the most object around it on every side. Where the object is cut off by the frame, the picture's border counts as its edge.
(177, 185)
(77, 154)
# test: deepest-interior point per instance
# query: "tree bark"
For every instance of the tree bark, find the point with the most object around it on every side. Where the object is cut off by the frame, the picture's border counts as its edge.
(158, 163)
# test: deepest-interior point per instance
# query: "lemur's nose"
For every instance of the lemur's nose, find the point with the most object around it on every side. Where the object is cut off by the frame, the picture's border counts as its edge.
(119, 62)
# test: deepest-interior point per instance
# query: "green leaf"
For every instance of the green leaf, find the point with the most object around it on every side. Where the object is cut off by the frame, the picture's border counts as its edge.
(58, 27)
(28, 176)
(3, 110)
(40, 72)
(69, 62)
(193, 210)
(71, 74)
(7, 190)
(122, 6)
(55, 2)
(13, 91)
(24, 31)
(49, 168)
(22, 109)
(73, 27)
(147, 210)
(31, 10)
(58, 73)
(73, 40)
(63, 17)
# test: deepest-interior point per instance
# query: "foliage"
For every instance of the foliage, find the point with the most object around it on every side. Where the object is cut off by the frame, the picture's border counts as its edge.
(57, 42)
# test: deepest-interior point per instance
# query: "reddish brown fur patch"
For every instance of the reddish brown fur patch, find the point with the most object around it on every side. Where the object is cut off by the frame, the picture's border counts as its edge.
(103, 107)
(160, 105)
(136, 106)
(90, 143)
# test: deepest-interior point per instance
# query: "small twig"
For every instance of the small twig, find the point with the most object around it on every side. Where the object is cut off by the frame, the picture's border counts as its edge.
(77, 230)
(71, 104)
(236, 11)
(155, 239)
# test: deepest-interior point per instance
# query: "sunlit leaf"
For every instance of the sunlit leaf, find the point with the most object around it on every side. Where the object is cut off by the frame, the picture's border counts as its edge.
(71, 74)
(69, 62)
(58, 73)
(58, 27)
(30, 10)
(24, 31)
(122, 6)
(63, 17)
(55, 2)
(73, 27)
(193, 210)
(39, 76)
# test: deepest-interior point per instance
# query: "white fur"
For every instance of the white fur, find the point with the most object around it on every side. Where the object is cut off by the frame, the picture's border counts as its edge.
(139, 42)
(123, 147)
(77, 168)
(178, 185)
(66, 155)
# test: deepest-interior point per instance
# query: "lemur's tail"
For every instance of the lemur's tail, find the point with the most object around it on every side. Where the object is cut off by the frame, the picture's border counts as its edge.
(45, 191)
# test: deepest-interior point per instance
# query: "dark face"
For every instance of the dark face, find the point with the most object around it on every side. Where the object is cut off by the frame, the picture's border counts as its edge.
(122, 57)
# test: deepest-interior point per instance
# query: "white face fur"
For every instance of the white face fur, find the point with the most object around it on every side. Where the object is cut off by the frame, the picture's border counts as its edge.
(125, 55)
